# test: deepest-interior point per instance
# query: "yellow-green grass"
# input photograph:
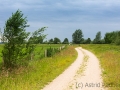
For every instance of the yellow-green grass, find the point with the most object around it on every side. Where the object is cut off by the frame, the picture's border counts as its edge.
(109, 56)
(38, 73)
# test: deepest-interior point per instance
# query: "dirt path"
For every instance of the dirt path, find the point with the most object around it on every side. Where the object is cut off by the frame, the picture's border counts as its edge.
(83, 74)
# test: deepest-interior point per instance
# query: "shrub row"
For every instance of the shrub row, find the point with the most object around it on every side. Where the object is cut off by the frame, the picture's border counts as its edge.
(51, 51)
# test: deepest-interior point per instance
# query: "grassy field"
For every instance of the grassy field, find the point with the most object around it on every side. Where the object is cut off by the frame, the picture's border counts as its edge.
(109, 56)
(39, 51)
(39, 72)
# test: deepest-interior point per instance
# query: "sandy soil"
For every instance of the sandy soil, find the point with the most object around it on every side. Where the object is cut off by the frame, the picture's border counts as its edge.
(83, 74)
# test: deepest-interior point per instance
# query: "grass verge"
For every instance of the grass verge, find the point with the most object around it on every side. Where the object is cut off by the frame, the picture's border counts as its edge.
(38, 73)
(84, 64)
(109, 56)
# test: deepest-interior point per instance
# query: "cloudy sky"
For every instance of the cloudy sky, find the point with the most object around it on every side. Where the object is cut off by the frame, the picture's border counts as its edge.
(63, 17)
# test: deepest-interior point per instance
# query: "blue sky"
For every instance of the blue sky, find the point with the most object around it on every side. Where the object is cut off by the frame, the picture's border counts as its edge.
(63, 17)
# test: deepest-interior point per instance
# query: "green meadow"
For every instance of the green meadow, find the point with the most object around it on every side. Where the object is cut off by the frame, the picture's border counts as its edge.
(109, 56)
(40, 71)
(39, 51)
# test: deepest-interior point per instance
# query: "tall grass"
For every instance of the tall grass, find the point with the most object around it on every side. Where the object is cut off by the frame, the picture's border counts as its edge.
(1, 48)
(109, 56)
(39, 51)
(38, 73)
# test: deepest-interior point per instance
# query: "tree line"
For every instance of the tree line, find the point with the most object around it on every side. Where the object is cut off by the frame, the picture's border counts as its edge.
(56, 40)
(78, 38)
(109, 38)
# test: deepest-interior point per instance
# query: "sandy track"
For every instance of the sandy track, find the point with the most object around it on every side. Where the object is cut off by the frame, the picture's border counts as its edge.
(83, 74)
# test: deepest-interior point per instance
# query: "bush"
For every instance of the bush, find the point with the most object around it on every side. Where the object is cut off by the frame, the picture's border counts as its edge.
(52, 51)
(49, 52)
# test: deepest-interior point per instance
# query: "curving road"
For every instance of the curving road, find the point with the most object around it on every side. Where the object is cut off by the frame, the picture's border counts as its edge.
(83, 74)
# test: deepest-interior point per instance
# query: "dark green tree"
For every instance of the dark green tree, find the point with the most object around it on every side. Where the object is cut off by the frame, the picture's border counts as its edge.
(97, 39)
(57, 40)
(15, 50)
(87, 41)
(51, 41)
(117, 40)
(66, 41)
(107, 38)
(110, 37)
(38, 36)
(77, 36)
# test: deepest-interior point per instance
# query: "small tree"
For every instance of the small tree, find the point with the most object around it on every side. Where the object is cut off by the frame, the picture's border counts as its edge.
(15, 50)
(117, 40)
(56, 40)
(51, 41)
(77, 37)
(107, 38)
(66, 41)
(87, 41)
(97, 39)
(110, 37)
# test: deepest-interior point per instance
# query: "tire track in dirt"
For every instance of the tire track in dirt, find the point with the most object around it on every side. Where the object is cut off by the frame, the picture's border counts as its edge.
(90, 78)
(83, 74)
